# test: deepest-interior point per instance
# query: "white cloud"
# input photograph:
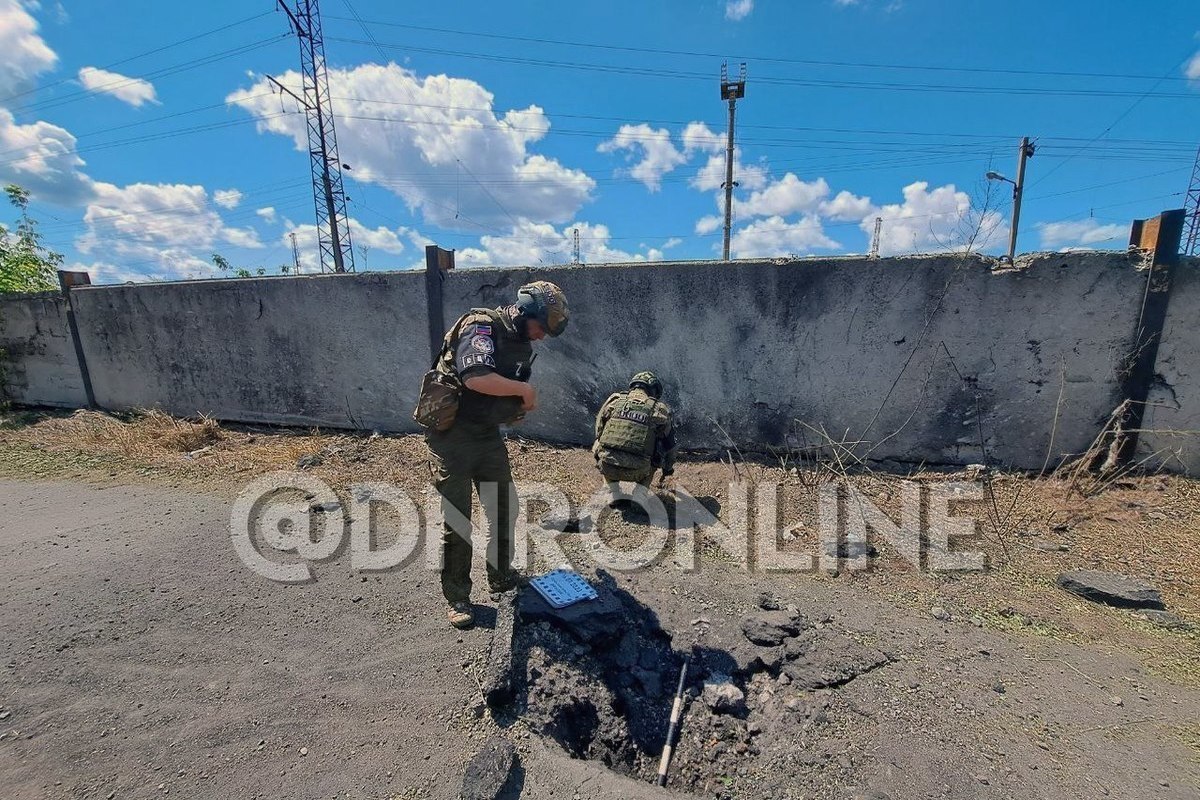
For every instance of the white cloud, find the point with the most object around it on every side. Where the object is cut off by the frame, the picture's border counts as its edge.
(934, 221)
(25, 54)
(170, 231)
(431, 141)
(774, 237)
(784, 197)
(419, 240)
(134, 91)
(530, 244)
(527, 125)
(105, 272)
(159, 228)
(658, 154)
(707, 224)
(166, 213)
(380, 239)
(227, 198)
(674, 241)
(737, 10)
(1192, 68)
(888, 7)
(267, 213)
(698, 136)
(712, 175)
(848, 207)
(242, 237)
(44, 161)
(1080, 233)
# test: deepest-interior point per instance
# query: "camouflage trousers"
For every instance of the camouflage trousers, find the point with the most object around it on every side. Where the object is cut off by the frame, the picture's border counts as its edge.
(469, 455)
(614, 474)
(618, 466)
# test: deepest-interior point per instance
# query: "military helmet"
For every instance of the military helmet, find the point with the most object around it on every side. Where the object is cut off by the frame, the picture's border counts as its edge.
(545, 302)
(649, 381)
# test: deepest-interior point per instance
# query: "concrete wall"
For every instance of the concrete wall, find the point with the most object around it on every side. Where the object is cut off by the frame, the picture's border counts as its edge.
(917, 359)
(1172, 419)
(39, 367)
(931, 359)
(310, 350)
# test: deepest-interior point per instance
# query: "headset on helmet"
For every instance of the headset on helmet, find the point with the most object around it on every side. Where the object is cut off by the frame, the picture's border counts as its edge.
(545, 302)
(649, 382)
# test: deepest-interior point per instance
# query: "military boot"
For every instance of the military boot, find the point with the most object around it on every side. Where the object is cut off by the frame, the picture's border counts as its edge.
(461, 615)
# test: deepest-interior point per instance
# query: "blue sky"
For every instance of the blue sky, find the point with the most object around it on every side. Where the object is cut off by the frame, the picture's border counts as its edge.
(150, 138)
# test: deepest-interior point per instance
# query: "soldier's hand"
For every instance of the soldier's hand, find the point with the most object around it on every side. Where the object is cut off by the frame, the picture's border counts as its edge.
(529, 399)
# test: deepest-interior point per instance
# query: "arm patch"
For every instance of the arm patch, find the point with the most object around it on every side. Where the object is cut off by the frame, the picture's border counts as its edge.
(475, 350)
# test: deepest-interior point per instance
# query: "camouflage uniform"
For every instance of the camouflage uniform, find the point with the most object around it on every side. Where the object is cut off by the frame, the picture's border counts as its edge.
(635, 435)
(472, 451)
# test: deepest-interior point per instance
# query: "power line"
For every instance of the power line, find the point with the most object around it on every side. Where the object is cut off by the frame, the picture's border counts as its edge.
(1126, 148)
(793, 128)
(659, 73)
(1120, 117)
(174, 210)
(126, 60)
(761, 58)
(158, 136)
(139, 123)
(445, 140)
(57, 102)
(126, 216)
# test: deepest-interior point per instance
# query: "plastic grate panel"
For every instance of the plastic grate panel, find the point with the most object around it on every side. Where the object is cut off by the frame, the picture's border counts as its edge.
(562, 588)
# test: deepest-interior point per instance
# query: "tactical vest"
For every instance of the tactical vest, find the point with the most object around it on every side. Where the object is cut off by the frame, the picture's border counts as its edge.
(513, 358)
(632, 426)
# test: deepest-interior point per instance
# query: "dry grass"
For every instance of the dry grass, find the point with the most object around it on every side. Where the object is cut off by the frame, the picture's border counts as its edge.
(143, 436)
(1190, 734)
(202, 452)
(1147, 526)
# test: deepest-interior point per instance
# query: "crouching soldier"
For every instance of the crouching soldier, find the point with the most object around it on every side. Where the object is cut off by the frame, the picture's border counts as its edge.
(635, 435)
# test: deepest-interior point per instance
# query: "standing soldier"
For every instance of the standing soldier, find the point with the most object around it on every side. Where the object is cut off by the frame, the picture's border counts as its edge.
(488, 353)
(635, 435)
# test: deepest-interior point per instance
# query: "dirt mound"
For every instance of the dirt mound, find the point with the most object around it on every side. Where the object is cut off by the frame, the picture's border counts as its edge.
(594, 677)
(597, 680)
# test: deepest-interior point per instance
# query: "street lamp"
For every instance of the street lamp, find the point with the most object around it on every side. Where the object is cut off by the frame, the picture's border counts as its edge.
(1026, 152)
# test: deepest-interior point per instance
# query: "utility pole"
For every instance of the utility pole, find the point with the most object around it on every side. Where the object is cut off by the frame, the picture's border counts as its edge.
(295, 254)
(875, 237)
(1191, 223)
(329, 196)
(1026, 153)
(731, 91)
(575, 259)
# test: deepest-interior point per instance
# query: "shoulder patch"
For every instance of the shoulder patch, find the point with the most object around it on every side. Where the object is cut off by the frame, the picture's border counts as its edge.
(483, 344)
(484, 329)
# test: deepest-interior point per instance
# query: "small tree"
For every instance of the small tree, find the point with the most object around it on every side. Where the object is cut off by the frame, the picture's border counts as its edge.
(26, 265)
(223, 264)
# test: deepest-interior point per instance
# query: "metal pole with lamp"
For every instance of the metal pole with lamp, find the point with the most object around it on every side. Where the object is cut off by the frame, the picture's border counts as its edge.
(1026, 153)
